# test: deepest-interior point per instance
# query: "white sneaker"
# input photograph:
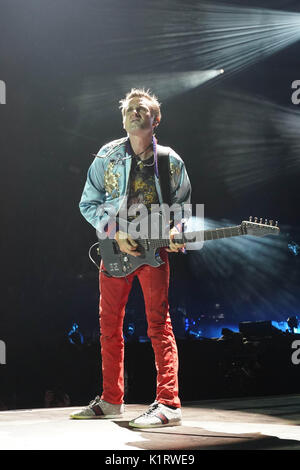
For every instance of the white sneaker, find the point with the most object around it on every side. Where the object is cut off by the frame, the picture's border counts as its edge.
(156, 416)
(98, 408)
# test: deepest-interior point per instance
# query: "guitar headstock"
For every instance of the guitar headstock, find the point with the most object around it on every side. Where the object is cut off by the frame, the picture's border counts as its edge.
(259, 228)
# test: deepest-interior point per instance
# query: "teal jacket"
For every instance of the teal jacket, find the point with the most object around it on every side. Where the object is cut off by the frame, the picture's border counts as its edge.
(107, 186)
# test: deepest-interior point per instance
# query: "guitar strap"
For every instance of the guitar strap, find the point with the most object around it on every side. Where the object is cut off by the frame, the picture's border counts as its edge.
(163, 163)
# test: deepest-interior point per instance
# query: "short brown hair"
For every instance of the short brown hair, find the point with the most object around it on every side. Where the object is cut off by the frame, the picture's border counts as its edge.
(142, 93)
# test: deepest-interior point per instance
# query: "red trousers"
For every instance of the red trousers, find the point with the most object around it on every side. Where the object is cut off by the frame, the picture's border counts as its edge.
(114, 294)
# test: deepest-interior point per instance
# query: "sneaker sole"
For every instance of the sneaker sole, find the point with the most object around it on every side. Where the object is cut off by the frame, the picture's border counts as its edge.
(96, 417)
(148, 426)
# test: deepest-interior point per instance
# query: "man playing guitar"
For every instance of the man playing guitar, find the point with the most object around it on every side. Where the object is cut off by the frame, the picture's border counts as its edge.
(125, 172)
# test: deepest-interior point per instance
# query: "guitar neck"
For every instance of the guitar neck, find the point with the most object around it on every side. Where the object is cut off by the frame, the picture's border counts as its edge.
(225, 232)
(203, 235)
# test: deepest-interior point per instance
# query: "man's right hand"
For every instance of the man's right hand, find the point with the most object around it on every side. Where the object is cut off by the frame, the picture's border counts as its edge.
(126, 243)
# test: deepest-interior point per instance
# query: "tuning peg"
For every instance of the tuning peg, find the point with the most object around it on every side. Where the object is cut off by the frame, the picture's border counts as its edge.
(250, 218)
(271, 222)
(266, 221)
(276, 224)
(261, 220)
(255, 219)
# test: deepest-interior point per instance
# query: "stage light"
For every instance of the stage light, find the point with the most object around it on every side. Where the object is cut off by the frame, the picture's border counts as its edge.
(292, 323)
(131, 329)
(75, 336)
(294, 248)
(283, 326)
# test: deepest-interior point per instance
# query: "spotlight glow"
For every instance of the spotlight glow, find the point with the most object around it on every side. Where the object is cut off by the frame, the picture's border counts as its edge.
(251, 274)
(167, 85)
(233, 36)
(206, 36)
(257, 140)
(172, 36)
(97, 100)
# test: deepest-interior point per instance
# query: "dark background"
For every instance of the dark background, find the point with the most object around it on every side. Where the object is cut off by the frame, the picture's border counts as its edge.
(62, 62)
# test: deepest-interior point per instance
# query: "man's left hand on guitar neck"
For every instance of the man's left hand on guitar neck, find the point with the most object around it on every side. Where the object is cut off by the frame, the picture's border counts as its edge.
(174, 247)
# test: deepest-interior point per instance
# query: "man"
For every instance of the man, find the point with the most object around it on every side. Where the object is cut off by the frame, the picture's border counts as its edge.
(125, 173)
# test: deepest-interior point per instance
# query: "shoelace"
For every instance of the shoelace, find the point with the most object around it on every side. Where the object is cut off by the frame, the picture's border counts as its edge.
(152, 408)
(95, 401)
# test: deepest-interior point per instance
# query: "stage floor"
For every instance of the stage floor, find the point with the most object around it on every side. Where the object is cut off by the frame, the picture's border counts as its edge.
(270, 423)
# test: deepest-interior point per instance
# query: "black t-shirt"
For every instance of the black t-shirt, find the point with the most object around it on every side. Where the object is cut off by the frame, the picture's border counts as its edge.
(142, 188)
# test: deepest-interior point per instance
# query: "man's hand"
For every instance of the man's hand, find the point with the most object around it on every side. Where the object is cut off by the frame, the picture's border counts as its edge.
(126, 243)
(174, 247)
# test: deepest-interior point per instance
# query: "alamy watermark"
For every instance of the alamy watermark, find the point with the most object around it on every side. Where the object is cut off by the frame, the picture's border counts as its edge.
(296, 94)
(296, 354)
(2, 352)
(2, 92)
(136, 221)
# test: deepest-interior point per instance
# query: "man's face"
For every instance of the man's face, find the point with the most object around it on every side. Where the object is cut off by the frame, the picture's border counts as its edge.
(137, 117)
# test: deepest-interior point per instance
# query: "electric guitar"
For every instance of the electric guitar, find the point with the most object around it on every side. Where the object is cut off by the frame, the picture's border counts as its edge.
(119, 264)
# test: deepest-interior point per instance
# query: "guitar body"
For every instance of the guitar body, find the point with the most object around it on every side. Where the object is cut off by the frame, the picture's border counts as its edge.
(119, 264)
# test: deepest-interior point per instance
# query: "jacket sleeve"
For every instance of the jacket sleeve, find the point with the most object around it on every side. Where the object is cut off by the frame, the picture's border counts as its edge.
(93, 204)
(180, 190)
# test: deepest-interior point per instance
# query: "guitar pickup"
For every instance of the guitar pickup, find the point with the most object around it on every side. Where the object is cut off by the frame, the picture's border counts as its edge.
(116, 248)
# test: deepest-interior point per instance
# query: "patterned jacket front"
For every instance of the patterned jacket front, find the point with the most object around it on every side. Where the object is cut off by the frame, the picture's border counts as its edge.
(106, 187)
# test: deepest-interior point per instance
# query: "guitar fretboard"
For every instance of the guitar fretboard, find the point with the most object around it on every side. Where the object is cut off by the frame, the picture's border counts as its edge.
(204, 235)
(222, 233)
